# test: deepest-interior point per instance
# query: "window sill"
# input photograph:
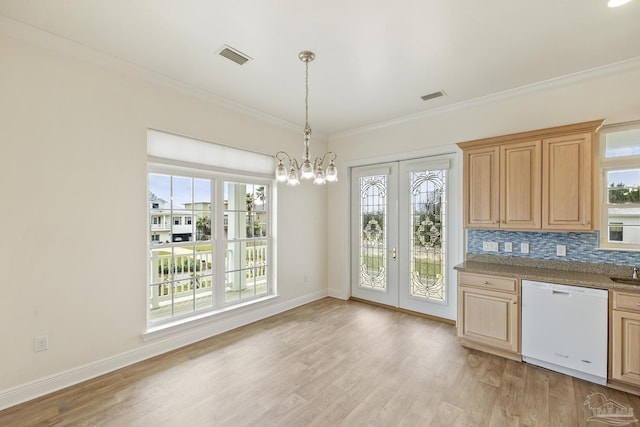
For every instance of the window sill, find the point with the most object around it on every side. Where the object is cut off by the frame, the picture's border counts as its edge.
(616, 249)
(155, 331)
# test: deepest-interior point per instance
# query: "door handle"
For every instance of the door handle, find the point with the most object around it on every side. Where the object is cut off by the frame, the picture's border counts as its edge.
(393, 253)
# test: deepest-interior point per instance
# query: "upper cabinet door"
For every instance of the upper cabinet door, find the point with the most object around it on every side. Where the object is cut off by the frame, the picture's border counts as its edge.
(566, 171)
(520, 185)
(481, 187)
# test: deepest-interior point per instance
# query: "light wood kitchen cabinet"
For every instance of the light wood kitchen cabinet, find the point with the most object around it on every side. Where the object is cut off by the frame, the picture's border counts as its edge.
(481, 194)
(531, 180)
(520, 185)
(489, 314)
(566, 182)
(503, 186)
(625, 341)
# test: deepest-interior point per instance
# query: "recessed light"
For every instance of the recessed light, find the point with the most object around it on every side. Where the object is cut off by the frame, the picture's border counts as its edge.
(616, 3)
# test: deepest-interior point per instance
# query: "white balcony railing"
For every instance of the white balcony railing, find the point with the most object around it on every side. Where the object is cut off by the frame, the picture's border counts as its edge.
(192, 276)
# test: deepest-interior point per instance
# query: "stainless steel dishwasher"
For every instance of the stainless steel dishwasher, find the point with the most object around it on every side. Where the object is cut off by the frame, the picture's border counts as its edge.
(564, 328)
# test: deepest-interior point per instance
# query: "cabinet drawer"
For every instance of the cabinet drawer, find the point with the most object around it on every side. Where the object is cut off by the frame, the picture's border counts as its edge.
(488, 282)
(626, 301)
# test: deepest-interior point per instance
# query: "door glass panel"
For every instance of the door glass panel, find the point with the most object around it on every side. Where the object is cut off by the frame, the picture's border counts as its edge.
(427, 245)
(373, 240)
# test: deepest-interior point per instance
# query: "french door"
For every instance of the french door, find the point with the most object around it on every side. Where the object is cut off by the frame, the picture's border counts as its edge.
(400, 235)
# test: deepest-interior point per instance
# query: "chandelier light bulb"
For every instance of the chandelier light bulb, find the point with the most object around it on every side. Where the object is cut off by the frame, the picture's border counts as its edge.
(281, 172)
(320, 178)
(332, 172)
(292, 178)
(306, 170)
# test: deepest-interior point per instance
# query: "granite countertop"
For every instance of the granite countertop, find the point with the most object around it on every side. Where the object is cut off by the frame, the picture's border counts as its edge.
(589, 275)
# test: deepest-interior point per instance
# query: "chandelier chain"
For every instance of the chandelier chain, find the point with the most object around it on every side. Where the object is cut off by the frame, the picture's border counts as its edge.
(306, 94)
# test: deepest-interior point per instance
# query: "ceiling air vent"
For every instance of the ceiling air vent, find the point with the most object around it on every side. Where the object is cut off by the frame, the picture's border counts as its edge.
(233, 55)
(437, 94)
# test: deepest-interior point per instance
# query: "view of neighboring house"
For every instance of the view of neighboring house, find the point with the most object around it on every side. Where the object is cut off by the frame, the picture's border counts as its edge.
(179, 226)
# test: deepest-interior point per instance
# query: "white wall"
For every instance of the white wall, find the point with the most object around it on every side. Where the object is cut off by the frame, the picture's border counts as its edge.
(73, 199)
(612, 93)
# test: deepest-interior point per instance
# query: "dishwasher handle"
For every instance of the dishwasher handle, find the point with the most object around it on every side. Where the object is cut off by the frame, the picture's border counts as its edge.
(556, 292)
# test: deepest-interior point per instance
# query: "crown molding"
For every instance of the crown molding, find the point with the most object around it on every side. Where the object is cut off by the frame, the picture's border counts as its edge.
(556, 82)
(42, 38)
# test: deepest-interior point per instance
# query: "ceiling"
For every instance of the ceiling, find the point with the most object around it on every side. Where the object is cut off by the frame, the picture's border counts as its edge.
(374, 58)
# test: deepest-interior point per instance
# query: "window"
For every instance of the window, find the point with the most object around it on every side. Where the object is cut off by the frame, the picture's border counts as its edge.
(620, 153)
(615, 232)
(245, 240)
(216, 252)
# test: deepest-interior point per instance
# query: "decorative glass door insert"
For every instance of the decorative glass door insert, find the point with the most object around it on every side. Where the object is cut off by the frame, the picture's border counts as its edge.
(428, 240)
(373, 247)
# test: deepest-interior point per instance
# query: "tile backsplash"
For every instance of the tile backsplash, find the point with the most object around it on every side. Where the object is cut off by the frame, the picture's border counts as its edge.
(579, 246)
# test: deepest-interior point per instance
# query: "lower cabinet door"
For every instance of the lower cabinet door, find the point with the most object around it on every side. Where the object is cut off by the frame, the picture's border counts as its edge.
(625, 350)
(489, 318)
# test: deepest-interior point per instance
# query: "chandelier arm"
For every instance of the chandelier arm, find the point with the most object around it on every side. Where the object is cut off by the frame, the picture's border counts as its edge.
(335, 156)
(281, 158)
(292, 161)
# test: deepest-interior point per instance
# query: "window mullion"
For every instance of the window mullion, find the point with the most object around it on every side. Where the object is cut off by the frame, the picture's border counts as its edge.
(219, 244)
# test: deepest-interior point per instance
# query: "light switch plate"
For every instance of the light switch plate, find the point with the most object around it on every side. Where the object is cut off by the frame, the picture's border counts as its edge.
(524, 248)
(508, 247)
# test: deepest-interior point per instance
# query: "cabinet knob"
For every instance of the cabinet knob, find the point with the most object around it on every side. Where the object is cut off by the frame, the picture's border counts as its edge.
(484, 282)
(514, 301)
(638, 304)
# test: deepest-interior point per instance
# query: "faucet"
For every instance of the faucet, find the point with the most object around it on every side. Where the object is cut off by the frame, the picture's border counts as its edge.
(635, 273)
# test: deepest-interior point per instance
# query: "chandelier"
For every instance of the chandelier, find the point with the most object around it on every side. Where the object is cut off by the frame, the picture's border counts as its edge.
(306, 169)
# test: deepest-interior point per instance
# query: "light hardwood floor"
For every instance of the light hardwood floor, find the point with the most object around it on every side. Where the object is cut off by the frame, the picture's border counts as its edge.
(327, 363)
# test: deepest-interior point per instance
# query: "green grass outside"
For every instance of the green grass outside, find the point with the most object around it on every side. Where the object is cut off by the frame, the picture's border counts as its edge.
(425, 269)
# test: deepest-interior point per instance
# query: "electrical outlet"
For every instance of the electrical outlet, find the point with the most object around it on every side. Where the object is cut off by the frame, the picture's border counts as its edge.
(490, 246)
(524, 248)
(508, 247)
(561, 250)
(41, 343)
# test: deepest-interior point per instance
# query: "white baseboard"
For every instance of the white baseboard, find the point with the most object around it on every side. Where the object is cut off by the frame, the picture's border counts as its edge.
(43, 386)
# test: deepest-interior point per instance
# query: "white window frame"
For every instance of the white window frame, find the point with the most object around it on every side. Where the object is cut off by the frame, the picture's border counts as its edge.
(219, 307)
(608, 164)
